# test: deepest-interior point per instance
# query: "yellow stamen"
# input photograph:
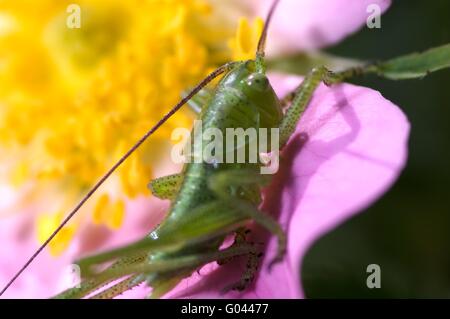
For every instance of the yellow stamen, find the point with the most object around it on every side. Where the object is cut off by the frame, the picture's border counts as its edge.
(73, 100)
(246, 40)
(117, 215)
(46, 224)
(98, 215)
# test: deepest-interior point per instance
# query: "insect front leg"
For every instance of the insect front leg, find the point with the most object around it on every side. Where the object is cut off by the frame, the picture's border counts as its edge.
(265, 221)
(251, 264)
(239, 238)
(220, 184)
(249, 272)
(300, 99)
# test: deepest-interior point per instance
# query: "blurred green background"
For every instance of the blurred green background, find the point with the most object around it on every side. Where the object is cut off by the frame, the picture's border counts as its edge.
(407, 231)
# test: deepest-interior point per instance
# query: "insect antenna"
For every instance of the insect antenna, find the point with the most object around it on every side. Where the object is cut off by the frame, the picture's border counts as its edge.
(260, 52)
(183, 101)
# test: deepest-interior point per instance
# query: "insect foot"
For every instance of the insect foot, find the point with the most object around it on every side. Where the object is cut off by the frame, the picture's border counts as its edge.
(280, 254)
(240, 239)
(249, 274)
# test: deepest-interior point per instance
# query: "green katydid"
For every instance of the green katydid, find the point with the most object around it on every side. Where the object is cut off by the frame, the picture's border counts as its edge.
(209, 201)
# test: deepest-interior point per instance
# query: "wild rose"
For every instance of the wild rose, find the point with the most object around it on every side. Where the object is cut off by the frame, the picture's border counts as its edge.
(349, 148)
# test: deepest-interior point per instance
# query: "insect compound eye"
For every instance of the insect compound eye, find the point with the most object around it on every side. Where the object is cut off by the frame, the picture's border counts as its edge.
(258, 82)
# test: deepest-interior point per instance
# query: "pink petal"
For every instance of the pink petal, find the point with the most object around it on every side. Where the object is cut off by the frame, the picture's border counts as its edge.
(349, 148)
(45, 276)
(310, 24)
(49, 275)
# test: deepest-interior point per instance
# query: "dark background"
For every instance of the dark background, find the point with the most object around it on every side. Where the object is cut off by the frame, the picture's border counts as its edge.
(407, 231)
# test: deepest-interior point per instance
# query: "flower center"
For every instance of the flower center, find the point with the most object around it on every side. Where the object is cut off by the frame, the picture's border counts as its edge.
(74, 100)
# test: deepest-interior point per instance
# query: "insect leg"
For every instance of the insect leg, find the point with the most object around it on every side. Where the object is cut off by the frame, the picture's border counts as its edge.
(220, 183)
(86, 287)
(249, 273)
(165, 284)
(169, 281)
(219, 71)
(251, 265)
(240, 237)
(199, 226)
(265, 221)
(166, 187)
(302, 96)
(90, 285)
(287, 99)
(172, 264)
(118, 288)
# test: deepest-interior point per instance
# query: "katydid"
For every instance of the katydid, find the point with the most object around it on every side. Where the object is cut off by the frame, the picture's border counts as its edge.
(209, 201)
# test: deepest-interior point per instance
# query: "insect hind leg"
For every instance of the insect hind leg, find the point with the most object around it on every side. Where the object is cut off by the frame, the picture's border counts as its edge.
(90, 285)
(118, 288)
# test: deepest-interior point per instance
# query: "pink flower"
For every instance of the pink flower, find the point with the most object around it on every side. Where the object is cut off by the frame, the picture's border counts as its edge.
(349, 148)
(48, 275)
(311, 24)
